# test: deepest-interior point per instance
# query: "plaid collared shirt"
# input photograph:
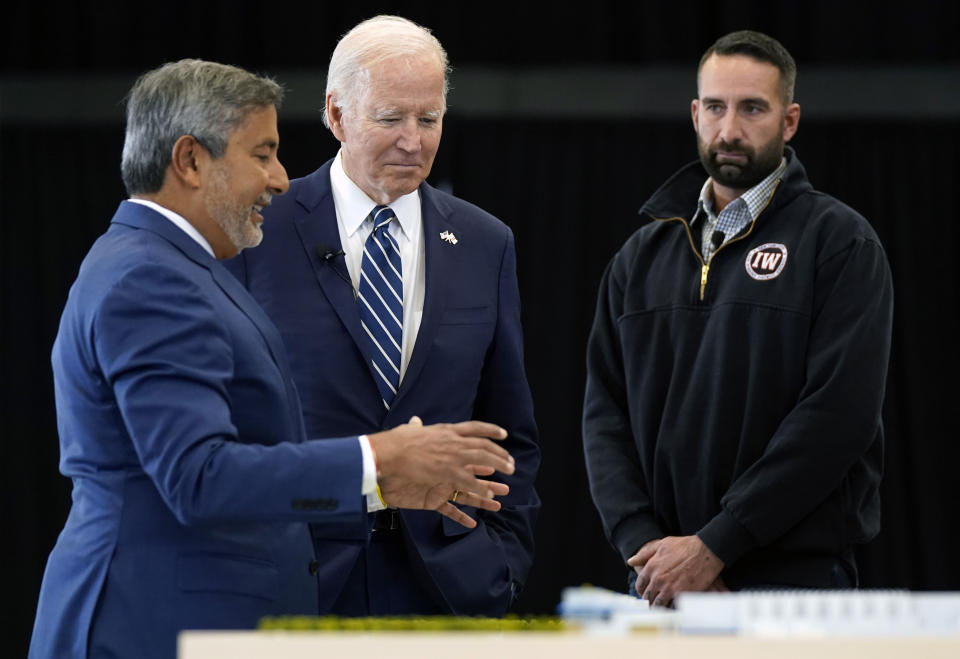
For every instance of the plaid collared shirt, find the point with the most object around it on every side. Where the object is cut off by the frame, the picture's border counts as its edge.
(739, 213)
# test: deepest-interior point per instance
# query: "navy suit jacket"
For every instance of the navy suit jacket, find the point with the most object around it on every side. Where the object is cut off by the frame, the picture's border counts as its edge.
(181, 430)
(467, 363)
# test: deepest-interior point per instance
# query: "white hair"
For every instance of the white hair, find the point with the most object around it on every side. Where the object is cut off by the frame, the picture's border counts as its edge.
(370, 43)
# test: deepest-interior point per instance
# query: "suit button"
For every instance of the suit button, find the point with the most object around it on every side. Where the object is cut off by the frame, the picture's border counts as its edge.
(313, 568)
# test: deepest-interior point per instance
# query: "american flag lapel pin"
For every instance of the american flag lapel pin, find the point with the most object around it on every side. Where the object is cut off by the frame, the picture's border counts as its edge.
(449, 237)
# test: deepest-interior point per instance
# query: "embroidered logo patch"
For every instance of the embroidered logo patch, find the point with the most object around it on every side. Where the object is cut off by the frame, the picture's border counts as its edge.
(766, 261)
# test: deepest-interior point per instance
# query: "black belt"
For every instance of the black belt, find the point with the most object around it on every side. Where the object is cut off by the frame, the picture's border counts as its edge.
(386, 520)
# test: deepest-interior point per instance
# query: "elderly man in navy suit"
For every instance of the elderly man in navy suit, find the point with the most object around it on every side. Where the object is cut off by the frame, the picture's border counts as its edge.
(180, 426)
(395, 298)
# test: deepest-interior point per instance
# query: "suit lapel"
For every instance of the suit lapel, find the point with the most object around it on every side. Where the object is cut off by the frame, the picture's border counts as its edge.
(271, 335)
(438, 260)
(143, 217)
(242, 298)
(318, 226)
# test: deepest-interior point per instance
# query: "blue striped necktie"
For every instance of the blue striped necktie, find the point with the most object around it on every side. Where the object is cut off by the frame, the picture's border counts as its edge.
(380, 297)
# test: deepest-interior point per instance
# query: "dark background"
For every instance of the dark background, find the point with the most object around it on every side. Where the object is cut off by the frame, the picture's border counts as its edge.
(568, 183)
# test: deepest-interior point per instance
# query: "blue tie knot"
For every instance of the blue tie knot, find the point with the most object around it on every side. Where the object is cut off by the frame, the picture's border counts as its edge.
(382, 215)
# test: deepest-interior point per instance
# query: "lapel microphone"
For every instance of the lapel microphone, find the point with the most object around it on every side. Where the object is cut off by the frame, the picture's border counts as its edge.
(326, 255)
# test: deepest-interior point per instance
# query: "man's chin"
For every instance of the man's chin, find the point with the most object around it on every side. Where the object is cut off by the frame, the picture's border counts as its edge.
(729, 170)
(251, 238)
(404, 187)
(732, 175)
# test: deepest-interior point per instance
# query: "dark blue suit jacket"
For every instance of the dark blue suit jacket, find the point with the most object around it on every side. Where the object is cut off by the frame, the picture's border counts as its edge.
(467, 364)
(181, 430)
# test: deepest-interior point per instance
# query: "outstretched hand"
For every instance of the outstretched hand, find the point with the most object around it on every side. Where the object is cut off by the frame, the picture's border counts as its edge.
(428, 467)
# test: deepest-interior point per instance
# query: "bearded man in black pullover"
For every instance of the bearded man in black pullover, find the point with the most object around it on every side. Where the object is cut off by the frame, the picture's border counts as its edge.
(738, 357)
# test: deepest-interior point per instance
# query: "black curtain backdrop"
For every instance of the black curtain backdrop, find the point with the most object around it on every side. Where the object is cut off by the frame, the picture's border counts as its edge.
(570, 190)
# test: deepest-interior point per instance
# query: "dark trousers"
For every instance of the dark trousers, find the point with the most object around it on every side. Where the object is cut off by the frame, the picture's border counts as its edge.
(384, 582)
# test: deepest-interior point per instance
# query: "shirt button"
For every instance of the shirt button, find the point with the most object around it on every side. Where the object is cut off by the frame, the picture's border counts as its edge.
(313, 568)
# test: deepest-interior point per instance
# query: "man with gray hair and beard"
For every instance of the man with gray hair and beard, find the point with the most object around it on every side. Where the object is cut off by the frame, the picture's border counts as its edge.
(392, 296)
(737, 362)
(180, 426)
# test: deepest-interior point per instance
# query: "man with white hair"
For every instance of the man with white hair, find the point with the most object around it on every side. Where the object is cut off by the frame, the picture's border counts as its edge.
(180, 428)
(394, 298)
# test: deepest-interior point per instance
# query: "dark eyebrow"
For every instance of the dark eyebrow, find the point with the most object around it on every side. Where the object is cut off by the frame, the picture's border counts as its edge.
(755, 101)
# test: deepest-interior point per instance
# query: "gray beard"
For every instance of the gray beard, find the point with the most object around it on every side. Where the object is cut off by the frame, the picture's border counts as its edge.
(232, 217)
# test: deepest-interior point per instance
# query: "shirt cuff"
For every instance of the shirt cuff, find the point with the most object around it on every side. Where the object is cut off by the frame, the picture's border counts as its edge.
(368, 483)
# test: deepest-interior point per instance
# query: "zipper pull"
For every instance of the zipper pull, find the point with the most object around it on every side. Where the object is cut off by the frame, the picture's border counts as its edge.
(704, 269)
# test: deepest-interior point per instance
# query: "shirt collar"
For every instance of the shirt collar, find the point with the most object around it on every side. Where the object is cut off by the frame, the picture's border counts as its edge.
(180, 221)
(755, 198)
(354, 205)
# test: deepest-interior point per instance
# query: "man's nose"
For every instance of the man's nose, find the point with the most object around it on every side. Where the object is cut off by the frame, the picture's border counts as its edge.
(409, 139)
(730, 128)
(278, 181)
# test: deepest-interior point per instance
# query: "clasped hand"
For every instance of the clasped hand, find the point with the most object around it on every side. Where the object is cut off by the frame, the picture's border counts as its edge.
(675, 564)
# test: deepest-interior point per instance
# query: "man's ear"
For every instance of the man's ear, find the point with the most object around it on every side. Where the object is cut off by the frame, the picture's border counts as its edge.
(791, 121)
(694, 112)
(187, 161)
(335, 118)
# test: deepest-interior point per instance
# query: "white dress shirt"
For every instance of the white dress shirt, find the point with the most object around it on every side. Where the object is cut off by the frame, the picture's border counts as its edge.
(353, 210)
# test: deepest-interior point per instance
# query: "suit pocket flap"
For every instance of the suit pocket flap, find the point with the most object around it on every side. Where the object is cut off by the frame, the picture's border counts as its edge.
(227, 573)
(451, 528)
